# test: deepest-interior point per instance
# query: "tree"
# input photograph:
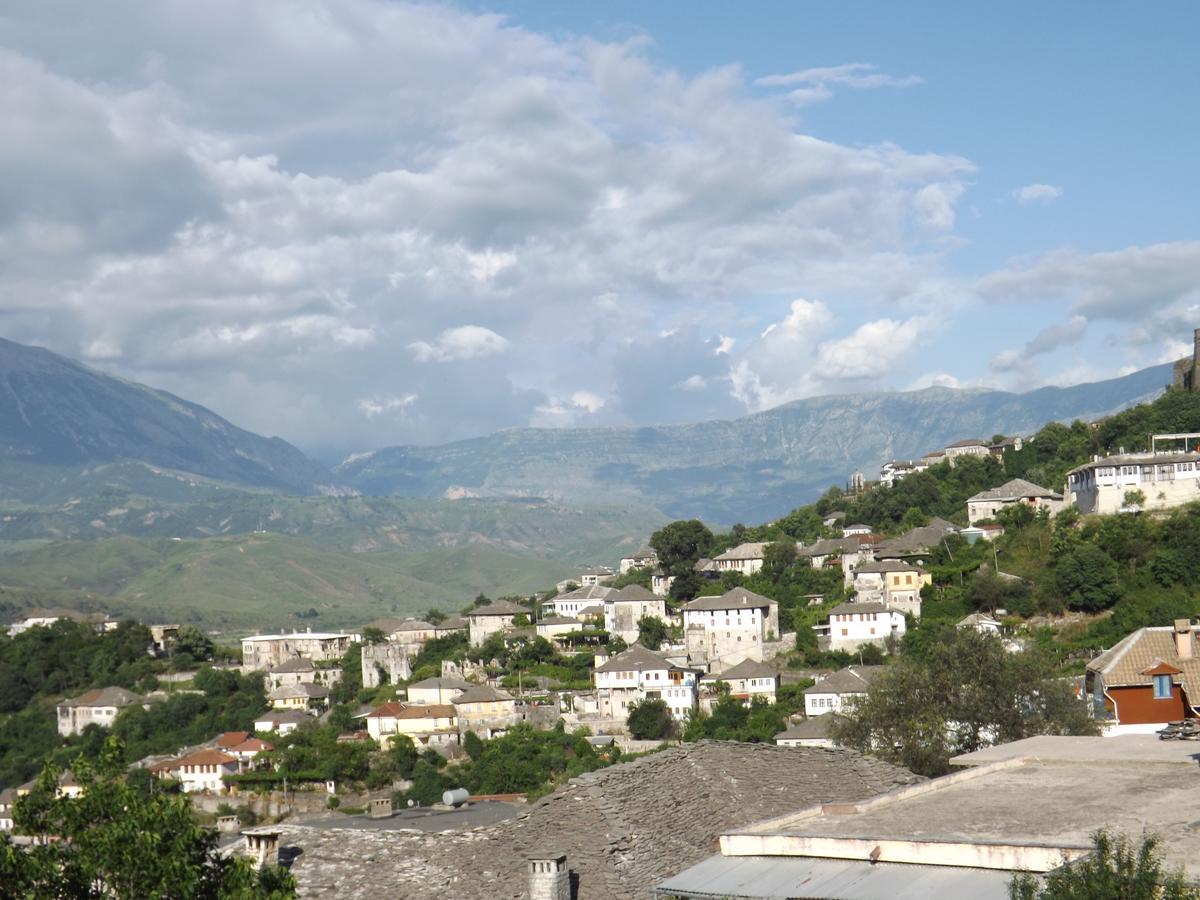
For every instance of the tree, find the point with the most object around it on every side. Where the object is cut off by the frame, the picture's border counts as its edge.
(964, 692)
(616, 644)
(1115, 870)
(680, 544)
(434, 616)
(652, 631)
(1086, 577)
(778, 557)
(116, 841)
(650, 720)
(1134, 499)
(194, 642)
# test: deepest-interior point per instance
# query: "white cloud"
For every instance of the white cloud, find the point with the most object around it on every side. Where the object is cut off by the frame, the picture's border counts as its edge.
(1036, 193)
(463, 342)
(692, 383)
(378, 406)
(725, 345)
(815, 85)
(487, 265)
(936, 379)
(934, 205)
(588, 401)
(872, 349)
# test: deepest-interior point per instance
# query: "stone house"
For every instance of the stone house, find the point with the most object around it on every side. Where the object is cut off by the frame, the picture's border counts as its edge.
(301, 671)
(853, 625)
(389, 662)
(204, 770)
(747, 680)
(744, 558)
(968, 447)
(623, 610)
(980, 622)
(896, 470)
(1165, 480)
(639, 674)
(411, 634)
(427, 725)
(729, 628)
(281, 723)
(986, 504)
(433, 691)
(485, 710)
(893, 582)
(835, 690)
(917, 544)
(808, 733)
(552, 627)
(302, 697)
(266, 651)
(98, 707)
(591, 576)
(571, 603)
(646, 558)
(484, 621)
(44, 618)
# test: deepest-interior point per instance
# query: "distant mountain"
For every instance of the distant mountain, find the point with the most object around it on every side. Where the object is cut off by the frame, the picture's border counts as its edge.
(749, 469)
(57, 415)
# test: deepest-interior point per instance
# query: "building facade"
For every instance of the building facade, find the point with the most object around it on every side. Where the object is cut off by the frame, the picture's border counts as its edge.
(639, 674)
(94, 708)
(1163, 480)
(729, 628)
(853, 625)
(266, 651)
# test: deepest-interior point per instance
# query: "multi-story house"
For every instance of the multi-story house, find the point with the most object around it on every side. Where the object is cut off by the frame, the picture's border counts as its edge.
(1163, 480)
(744, 558)
(485, 710)
(969, 447)
(834, 691)
(623, 610)
(441, 689)
(730, 628)
(893, 582)
(304, 696)
(484, 621)
(301, 671)
(646, 558)
(747, 680)
(204, 770)
(266, 651)
(427, 725)
(639, 674)
(94, 708)
(853, 625)
(1148, 678)
(986, 504)
(573, 602)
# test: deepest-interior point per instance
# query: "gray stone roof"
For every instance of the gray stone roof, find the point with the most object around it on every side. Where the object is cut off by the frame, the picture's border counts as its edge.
(747, 668)
(851, 680)
(498, 608)
(558, 620)
(1016, 489)
(636, 659)
(1138, 459)
(623, 829)
(295, 666)
(738, 598)
(481, 693)
(591, 592)
(632, 592)
(816, 728)
(829, 546)
(105, 697)
(443, 683)
(306, 691)
(843, 609)
(887, 565)
(752, 550)
(969, 442)
(916, 540)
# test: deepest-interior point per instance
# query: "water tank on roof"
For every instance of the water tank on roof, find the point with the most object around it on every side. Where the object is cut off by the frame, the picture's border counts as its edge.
(456, 797)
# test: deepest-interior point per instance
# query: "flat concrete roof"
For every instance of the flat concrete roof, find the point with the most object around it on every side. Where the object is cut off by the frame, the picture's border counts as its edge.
(1021, 806)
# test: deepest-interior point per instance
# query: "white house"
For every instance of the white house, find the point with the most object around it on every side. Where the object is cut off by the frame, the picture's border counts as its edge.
(969, 447)
(432, 691)
(851, 625)
(204, 770)
(747, 680)
(302, 696)
(552, 627)
(484, 621)
(639, 674)
(744, 558)
(729, 628)
(428, 725)
(896, 470)
(1164, 479)
(281, 723)
(891, 581)
(646, 558)
(266, 651)
(94, 708)
(986, 504)
(809, 733)
(590, 576)
(623, 610)
(834, 691)
(851, 530)
(573, 602)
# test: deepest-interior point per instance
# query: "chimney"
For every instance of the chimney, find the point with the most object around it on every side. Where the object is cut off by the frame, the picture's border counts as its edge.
(549, 878)
(1184, 639)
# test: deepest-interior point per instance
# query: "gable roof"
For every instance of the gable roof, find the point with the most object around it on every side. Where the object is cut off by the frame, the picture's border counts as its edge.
(750, 550)
(851, 680)
(482, 693)
(207, 757)
(888, 565)
(292, 691)
(591, 592)
(636, 659)
(559, 620)
(231, 739)
(393, 709)
(498, 608)
(644, 553)
(1126, 664)
(969, 442)
(1138, 459)
(442, 683)
(282, 717)
(737, 598)
(747, 668)
(295, 666)
(814, 729)
(1015, 489)
(843, 609)
(829, 546)
(632, 592)
(251, 745)
(916, 540)
(109, 696)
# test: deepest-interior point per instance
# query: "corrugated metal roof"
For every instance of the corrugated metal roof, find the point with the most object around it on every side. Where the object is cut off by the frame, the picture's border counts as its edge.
(796, 877)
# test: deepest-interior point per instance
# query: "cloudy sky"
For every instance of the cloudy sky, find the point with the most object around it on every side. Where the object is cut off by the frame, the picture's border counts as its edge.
(355, 223)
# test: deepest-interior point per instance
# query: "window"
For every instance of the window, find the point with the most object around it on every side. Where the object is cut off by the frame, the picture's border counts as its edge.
(1162, 687)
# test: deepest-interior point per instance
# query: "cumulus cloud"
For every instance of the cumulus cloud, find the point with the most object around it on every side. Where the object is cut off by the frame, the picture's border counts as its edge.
(1036, 193)
(815, 85)
(463, 342)
(378, 406)
(873, 348)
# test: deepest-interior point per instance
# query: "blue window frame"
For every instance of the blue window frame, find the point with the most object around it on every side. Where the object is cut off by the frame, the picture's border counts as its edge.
(1162, 687)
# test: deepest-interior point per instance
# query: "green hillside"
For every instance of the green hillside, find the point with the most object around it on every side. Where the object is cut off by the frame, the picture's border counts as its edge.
(259, 580)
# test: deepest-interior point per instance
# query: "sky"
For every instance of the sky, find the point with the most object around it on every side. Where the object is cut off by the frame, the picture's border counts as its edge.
(354, 223)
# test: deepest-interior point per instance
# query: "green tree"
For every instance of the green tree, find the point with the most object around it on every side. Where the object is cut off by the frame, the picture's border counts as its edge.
(194, 642)
(650, 720)
(652, 631)
(1086, 578)
(680, 544)
(965, 692)
(1115, 870)
(778, 557)
(115, 841)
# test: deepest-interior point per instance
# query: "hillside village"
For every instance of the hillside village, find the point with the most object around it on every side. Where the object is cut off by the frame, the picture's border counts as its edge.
(776, 634)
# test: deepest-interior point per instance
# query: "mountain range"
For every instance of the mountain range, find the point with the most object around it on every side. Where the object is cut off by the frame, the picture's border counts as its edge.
(68, 432)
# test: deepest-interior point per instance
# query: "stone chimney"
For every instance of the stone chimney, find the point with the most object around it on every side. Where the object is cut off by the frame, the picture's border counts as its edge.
(549, 878)
(262, 846)
(1185, 641)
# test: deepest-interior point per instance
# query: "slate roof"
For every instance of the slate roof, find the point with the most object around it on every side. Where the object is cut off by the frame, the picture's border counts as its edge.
(293, 667)
(1138, 459)
(843, 609)
(747, 668)
(498, 608)
(751, 550)
(482, 693)
(1141, 650)
(558, 620)
(1016, 489)
(282, 717)
(816, 728)
(851, 680)
(916, 540)
(969, 442)
(307, 691)
(591, 592)
(624, 828)
(888, 565)
(443, 683)
(631, 592)
(644, 553)
(109, 696)
(414, 625)
(828, 546)
(636, 659)
(738, 598)
(451, 623)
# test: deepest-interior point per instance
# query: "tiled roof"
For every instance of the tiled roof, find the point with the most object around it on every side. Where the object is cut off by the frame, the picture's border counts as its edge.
(498, 608)
(209, 757)
(636, 659)
(308, 691)
(251, 745)
(631, 592)
(752, 550)
(1016, 489)
(737, 598)
(414, 625)
(843, 609)
(852, 680)
(1133, 654)
(591, 592)
(295, 666)
(747, 668)
(623, 829)
(482, 693)
(396, 710)
(442, 683)
(109, 696)
(231, 739)
(1138, 459)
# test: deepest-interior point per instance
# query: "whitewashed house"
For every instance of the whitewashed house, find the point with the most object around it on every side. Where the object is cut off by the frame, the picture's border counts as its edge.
(744, 558)
(729, 628)
(639, 674)
(893, 582)
(836, 690)
(747, 680)
(204, 770)
(484, 621)
(853, 625)
(623, 610)
(572, 603)
(1165, 480)
(646, 558)
(99, 707)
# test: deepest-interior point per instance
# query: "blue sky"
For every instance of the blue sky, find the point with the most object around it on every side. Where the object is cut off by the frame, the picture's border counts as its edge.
(355, 223)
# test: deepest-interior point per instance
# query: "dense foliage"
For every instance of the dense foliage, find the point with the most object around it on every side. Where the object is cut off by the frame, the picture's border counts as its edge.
(1116, 870)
